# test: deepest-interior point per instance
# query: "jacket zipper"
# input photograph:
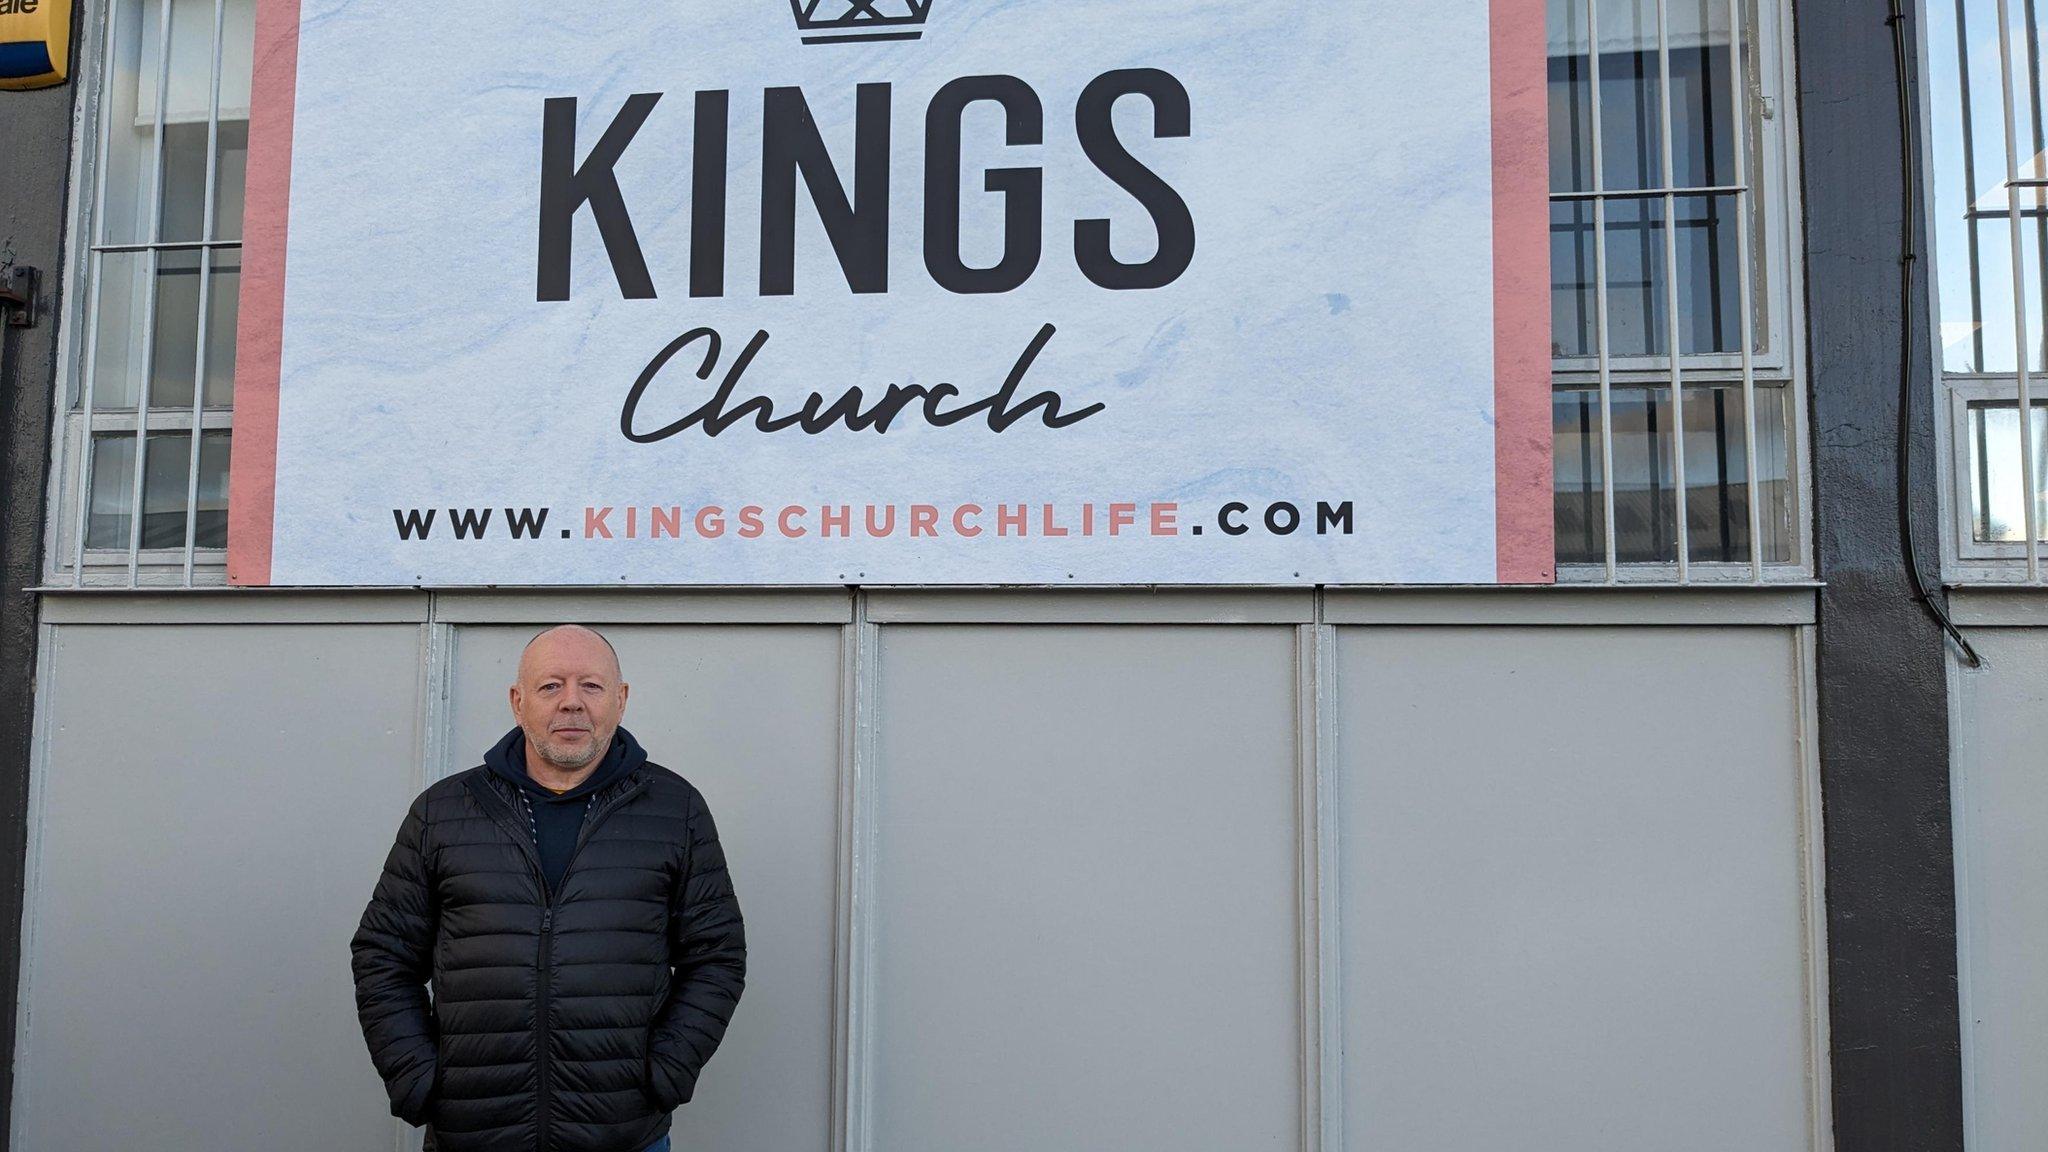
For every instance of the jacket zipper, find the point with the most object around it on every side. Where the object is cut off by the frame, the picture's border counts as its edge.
(544, 959)
(592, 817)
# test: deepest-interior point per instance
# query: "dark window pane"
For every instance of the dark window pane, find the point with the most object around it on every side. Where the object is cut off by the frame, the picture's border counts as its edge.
(166, 469)
(1709, 279)
(1637, 302)
(1645, 496)
(1573, 320)
(1581, 512)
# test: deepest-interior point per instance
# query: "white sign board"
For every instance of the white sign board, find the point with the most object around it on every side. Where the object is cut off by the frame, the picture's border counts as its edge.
(795, 292)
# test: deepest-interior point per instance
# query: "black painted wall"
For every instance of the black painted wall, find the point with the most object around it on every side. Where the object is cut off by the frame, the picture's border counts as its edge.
(1884, 739)
(35, 156)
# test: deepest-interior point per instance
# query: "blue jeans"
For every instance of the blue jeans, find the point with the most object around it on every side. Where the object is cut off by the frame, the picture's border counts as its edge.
(660, 1145)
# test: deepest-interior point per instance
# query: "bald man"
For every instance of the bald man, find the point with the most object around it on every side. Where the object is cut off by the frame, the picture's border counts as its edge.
(568, 905)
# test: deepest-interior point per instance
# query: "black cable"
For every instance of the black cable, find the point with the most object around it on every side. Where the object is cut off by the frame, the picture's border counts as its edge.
(1909, 321)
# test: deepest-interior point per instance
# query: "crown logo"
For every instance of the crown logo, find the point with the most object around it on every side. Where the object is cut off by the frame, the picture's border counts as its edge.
(859, 21)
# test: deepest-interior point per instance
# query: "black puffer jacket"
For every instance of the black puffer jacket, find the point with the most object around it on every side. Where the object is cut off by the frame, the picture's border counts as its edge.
(571, 1024)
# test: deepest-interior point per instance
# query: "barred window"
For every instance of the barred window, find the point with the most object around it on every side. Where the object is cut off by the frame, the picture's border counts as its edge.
(143, 461)
(1989, 222)
(1677, 413)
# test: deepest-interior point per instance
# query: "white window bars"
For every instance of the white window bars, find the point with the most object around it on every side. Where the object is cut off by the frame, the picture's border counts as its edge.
(1987, 136)
(1677, 415)
(142, 456)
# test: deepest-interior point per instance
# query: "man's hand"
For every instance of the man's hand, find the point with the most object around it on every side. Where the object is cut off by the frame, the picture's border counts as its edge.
(708, 948)
(392, 959)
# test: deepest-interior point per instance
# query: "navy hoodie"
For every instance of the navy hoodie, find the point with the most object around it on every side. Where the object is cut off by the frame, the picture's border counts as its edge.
(556, 821)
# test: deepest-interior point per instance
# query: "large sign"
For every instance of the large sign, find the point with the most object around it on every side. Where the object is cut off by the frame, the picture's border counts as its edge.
(895, 291)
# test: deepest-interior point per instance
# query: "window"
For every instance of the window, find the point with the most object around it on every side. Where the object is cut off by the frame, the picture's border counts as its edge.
(1989, 221)
(148, 412)
(1676, 413)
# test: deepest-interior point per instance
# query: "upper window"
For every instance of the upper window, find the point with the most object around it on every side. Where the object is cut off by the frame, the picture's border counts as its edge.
(143, 461)
(1989, 220)
(1677, 413)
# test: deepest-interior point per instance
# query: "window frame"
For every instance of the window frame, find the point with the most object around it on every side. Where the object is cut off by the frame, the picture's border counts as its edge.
(1965, 560)
(1774, 186)
(67, 562)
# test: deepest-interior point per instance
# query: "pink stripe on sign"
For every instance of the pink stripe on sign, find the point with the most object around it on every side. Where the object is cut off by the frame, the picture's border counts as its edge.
(252, 477)
(1525, 523)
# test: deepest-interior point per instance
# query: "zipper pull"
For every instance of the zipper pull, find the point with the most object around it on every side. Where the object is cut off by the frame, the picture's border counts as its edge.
(547, 920)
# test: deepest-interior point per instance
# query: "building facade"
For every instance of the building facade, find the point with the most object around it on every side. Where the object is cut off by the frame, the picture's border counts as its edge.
(1730, 838)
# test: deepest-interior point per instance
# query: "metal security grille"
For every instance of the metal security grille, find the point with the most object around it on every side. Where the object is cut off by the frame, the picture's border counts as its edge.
(1990, 222)
(1676, 414)
(143, 460)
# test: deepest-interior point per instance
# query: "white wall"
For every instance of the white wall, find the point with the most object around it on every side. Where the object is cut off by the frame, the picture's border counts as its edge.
(2000, 770)
(1021, 871)
(212, 806)
(1572, 895)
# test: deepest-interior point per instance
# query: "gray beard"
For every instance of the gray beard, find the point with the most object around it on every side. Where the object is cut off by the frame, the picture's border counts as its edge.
(562, 760)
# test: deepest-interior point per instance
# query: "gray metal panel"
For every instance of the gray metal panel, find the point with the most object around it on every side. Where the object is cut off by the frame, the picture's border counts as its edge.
(750, 716)
(1086, 930)
(214, 807)
(1572, 906)
(2001, 829)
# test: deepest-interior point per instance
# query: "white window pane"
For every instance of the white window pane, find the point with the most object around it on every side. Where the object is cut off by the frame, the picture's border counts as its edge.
(175, 356)
(113, 479)
(130, 170)
(191, 87)
(1973, 199)
(130, 102)
(223, 312)
(120, 313)
(1998, 508)
(117, 315)
(210, 528)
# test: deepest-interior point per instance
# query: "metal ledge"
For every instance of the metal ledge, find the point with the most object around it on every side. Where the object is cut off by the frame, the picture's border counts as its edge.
(1774, 605)
(240, 606)
(479, 606)
(1564, 605)
(653, 606)
(2009, 607)
(1092, 606)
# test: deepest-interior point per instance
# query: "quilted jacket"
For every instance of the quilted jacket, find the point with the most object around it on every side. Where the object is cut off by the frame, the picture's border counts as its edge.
(510, 1018)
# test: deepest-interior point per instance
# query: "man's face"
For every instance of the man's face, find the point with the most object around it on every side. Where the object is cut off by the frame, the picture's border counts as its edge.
(569, 697)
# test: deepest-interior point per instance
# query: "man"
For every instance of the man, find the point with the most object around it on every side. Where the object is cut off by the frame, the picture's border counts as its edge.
(569, 903)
